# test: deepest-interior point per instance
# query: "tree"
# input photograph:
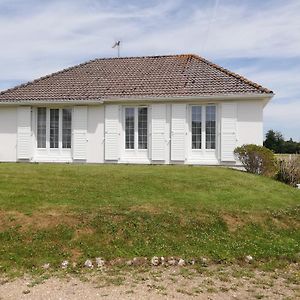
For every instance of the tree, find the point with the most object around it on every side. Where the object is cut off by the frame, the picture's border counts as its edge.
(291, 147)
(274, 141)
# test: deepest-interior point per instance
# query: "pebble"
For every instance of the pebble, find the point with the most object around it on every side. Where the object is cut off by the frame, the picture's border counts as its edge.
(88, 264)
(172, 261)
(64, 264)
(181, 262)
(155, 261)
(100, 262)
(248, 259)
(203, 261)
(46, 266)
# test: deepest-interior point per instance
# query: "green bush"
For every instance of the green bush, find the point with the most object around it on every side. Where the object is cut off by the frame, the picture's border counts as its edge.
(289, 170)
(257, 159)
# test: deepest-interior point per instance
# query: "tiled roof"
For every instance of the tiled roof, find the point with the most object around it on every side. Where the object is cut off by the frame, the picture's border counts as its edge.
(135, 77)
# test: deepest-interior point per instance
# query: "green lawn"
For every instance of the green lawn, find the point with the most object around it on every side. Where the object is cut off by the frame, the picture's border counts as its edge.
(49, 212)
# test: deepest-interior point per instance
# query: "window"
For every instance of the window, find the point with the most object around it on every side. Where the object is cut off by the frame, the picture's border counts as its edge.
(136, 128)
(210, 127)
(203, 136)
(143, 127)
(196, 127)
(129, 128)
(54, 128)
(54, 131)
(41, 127)
(66, 128)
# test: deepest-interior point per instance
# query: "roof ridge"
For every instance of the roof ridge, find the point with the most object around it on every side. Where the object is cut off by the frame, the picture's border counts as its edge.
(233, 74)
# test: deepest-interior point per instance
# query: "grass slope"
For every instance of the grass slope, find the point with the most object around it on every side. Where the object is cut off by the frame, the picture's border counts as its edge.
(51, 212)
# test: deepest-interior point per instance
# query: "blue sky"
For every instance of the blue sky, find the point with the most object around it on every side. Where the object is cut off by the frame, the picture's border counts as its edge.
(258, 39)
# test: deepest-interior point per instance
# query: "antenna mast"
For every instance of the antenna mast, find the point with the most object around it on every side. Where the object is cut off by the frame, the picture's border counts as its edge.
(117, 45)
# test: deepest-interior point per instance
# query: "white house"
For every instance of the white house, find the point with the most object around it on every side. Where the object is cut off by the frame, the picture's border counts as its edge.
(157, 109)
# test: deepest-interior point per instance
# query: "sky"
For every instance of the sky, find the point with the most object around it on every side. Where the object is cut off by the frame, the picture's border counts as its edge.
(257, 39)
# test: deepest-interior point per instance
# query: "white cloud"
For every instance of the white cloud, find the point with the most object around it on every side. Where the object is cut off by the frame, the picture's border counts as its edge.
(56, 34)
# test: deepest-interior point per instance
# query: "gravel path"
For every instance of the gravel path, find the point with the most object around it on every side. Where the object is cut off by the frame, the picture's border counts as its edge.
(159, 283)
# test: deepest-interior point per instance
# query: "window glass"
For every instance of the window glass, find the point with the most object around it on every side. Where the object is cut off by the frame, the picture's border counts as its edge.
(143, 127)
(210, 127)
(66, 128)
(129, 128)
(41, 127)
(54, 123)
(196, 127)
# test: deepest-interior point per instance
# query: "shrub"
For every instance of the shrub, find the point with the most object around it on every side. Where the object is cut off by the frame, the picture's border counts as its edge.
(289, 170)
(257, 159)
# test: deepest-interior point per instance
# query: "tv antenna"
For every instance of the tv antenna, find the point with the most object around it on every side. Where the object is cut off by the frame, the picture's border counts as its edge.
(117, 45)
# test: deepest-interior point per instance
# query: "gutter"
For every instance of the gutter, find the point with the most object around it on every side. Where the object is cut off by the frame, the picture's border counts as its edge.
(50, 102)
(265, 97)
(193, 98)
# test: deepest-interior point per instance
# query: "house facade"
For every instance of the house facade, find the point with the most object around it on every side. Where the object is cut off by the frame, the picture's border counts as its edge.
(177, 109)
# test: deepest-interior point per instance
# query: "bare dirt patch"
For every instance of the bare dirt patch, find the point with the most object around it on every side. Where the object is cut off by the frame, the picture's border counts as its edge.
(38, 220)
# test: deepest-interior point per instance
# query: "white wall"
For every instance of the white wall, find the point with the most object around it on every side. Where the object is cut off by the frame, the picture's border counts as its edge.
(95, 134)
(249, 130)
(8, 134)
(250, 122)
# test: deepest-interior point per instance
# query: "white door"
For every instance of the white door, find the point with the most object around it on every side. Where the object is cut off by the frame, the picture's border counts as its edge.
(178, 132)
(228, 131)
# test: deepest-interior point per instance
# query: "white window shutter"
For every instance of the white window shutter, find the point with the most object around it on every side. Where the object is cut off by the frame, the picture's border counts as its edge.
(79, 132)
(159, 115)
(228, 131)
(112, 132)
(178, 132)
(24, 133)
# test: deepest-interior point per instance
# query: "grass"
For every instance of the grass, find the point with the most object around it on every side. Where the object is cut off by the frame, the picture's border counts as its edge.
(51, 212)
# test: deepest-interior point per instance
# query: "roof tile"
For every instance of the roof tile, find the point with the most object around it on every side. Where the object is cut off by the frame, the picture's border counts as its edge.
(135, 77)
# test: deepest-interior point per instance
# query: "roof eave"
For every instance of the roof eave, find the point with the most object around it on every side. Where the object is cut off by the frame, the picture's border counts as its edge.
(52, 102)
(231, 97)
(252, 96)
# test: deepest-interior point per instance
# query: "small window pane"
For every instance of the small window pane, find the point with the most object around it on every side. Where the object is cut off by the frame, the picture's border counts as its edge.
(66, 128)
(41, 127)
(54, 123)
(129, 128)
(143, 127)
(196, 127)
(210, 127)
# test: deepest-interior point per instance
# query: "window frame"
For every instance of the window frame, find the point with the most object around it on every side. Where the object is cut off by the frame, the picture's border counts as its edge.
(215, 133)
(37, 127)
(60, 129)
(203, 128)
(136, 124)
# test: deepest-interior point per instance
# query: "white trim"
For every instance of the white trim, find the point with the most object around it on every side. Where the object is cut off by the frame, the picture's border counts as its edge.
(251, 96)
(52, 154)
(193, 98)
(203, 155)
